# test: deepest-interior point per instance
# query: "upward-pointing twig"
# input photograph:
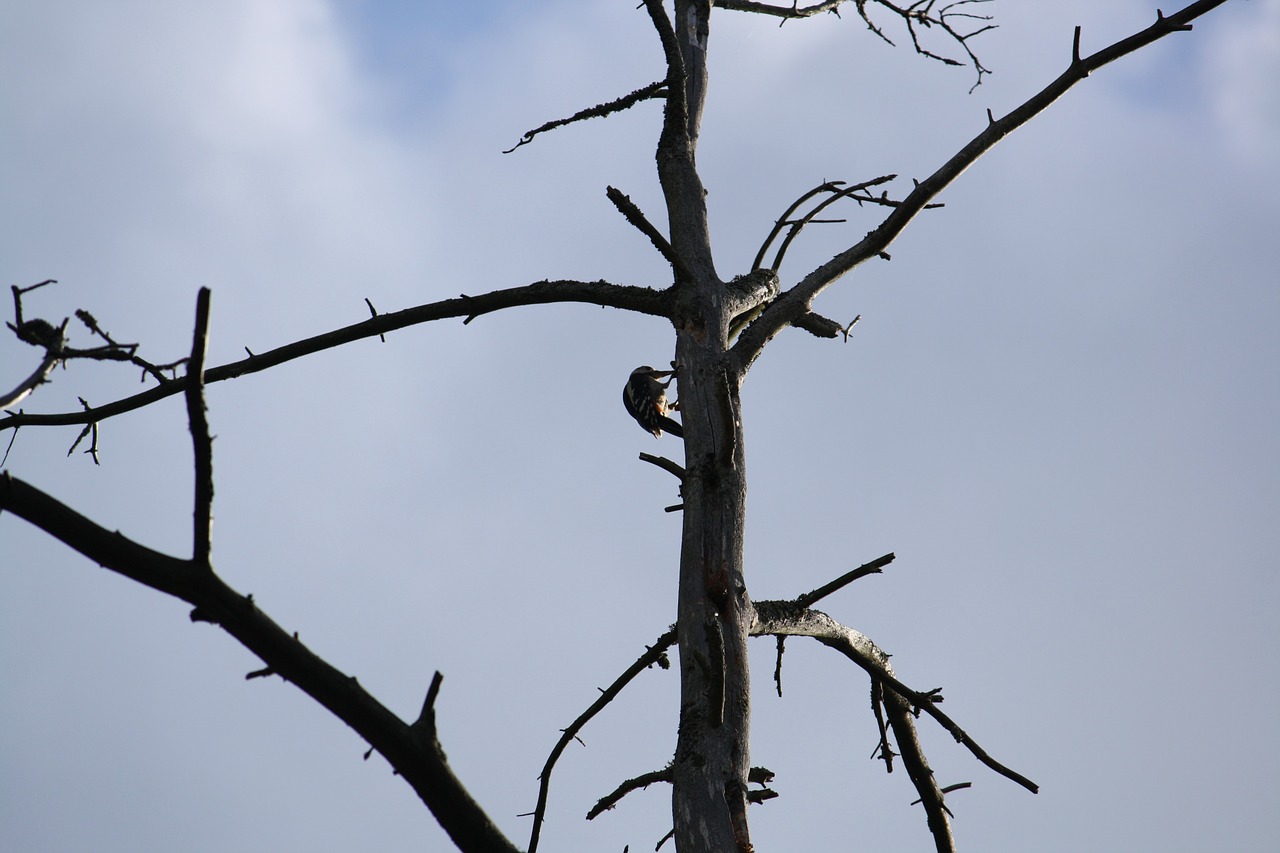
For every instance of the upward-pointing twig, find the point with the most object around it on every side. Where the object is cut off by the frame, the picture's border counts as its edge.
(202, 442)
(637, 218)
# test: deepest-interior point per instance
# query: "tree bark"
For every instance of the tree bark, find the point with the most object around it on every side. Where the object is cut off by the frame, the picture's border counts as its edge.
(709, 773)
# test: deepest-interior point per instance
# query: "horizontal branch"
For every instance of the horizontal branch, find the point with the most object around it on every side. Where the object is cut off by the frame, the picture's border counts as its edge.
(799, 298)
(644, 780)
(642, 300)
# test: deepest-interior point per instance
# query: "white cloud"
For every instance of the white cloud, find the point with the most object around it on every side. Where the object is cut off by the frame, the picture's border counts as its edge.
(1244, 66)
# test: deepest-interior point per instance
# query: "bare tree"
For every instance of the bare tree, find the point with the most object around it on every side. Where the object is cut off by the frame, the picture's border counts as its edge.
(722, 325)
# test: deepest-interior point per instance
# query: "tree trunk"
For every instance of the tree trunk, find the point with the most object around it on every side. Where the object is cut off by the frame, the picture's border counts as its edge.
(711, 760)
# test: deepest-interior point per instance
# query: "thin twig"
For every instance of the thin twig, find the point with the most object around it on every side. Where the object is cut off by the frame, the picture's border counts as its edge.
(665, 464)
(871, 568)
(644, 780)
(636, 217)
(653, 90)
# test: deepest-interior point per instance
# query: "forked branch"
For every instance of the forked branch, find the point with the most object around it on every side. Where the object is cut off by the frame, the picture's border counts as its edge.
(955, 19)
(414, 753)
(901, 704)
(799, 298)
(786, 618)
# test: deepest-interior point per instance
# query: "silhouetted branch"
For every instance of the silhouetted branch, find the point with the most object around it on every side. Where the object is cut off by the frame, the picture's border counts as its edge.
(41, 374)
(628, 297)
(415, 755)
(916, 16)
(899, 713)
(799, 298)
(653, 654)
(644, 780)
(836, 191)
(653, 90)
(53, 340)
(872, 568)
(637, 218)
(673, 468)
(90, 429)
(202, 442)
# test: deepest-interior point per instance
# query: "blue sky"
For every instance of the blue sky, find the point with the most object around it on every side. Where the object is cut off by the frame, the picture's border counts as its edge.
(1059, 411)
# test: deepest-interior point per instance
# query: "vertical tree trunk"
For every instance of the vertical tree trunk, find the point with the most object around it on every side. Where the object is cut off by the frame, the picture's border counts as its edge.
(711, 760)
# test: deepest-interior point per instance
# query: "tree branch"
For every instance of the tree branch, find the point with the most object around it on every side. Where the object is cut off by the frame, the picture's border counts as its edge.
(915, 15)
(415, 755)
(653, 654)
(774, 618)
(642, 300)
(799, 298)
(653, 90)
(644, 780)
(15, 396)
(202, 442)
(636, 217)
(901, 720)
(872, 568)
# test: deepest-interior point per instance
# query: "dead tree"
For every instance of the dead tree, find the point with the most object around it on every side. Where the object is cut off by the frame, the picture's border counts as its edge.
(722, 322)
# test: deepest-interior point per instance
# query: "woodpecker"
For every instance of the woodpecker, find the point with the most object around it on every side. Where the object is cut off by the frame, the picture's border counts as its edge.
(646, 401)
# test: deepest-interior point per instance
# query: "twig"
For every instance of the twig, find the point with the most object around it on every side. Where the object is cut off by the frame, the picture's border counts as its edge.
(90, 429)
(644, 780)
(918, 14)
(836, 194)
(426, 721)
(665, 464)
(636, 217)
(373, 312)
(653, 90)
(782, 221)
(872, 568)
(959, 786)
(777, 666)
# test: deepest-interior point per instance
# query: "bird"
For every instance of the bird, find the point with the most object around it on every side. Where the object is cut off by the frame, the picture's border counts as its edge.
(646, 400)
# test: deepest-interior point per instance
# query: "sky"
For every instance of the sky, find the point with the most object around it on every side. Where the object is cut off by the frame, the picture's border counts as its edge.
(1058, 410)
